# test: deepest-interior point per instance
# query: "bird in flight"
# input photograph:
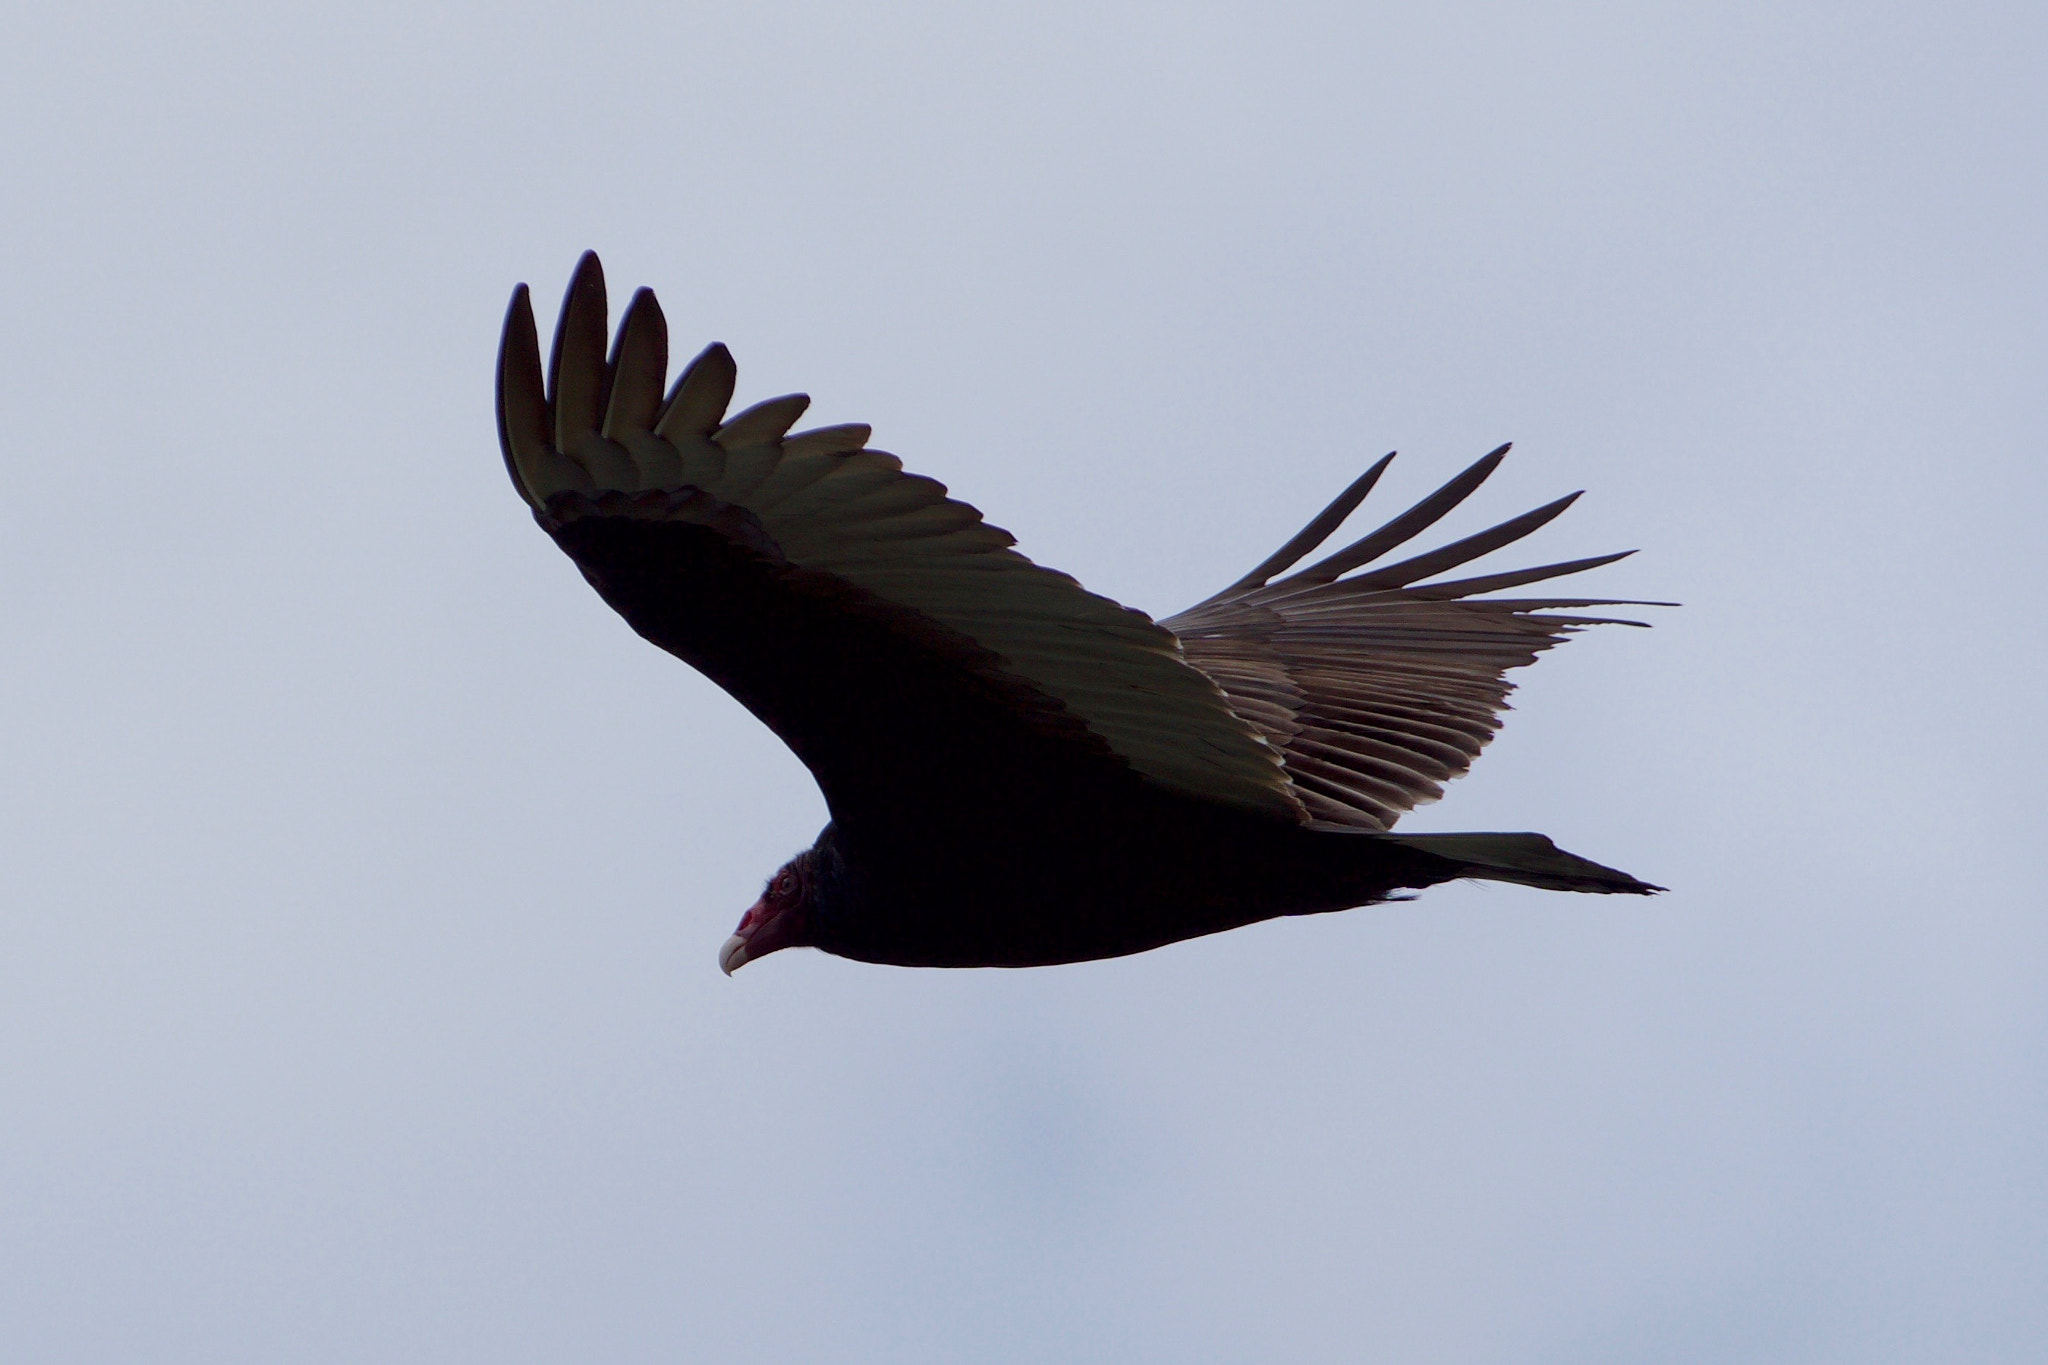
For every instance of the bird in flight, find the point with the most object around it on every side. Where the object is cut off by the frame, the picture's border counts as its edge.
(1020, 772)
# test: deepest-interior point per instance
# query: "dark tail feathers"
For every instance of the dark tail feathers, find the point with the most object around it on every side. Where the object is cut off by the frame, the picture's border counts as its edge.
(1527, 859)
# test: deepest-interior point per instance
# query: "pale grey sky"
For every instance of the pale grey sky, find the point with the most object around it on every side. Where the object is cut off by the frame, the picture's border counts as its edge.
(364, 874)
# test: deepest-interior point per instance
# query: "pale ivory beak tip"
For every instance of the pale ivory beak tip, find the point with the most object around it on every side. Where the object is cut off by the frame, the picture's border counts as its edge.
(733, 955)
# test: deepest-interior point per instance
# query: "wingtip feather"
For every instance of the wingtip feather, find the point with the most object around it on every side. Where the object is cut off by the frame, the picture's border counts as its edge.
(1319, 529)
(576, 368)
(537, 471)
(697, 403)
(638, 367)
(1405, 527)
(762, 424)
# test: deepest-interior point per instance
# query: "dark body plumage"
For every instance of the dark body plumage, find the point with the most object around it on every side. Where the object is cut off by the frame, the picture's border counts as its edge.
(1018, 773)
(973, 824)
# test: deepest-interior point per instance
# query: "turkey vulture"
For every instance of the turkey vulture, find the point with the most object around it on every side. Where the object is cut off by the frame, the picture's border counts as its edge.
(1018, 771)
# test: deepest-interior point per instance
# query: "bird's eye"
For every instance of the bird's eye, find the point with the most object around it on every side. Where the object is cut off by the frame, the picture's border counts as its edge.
(784, 884)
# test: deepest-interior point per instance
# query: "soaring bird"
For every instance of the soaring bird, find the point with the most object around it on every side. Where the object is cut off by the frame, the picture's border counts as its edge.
(1018, 771)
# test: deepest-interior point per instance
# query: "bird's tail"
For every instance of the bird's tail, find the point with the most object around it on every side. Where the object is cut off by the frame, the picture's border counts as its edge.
(1527, 859)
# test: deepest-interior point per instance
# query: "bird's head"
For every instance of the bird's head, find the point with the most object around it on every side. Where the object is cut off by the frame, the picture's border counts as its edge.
(780, 919)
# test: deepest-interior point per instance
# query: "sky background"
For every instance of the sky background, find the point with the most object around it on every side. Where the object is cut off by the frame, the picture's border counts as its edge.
(364, 875)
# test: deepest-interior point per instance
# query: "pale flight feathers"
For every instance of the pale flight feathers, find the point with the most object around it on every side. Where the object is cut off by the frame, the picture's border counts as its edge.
(1376, 691)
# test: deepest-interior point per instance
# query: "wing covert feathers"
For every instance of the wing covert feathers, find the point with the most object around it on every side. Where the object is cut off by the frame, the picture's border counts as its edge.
(824, 502)
(1378, 688)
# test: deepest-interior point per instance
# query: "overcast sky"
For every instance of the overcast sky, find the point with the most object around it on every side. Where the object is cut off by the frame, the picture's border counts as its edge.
(364, 875)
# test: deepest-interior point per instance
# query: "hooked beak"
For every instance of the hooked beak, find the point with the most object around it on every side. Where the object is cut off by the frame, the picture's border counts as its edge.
(763, 929)
(733, 955)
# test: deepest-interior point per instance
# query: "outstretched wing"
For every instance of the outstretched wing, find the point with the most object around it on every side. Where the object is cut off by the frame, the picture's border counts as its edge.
(884, 631)
(1377, 688)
